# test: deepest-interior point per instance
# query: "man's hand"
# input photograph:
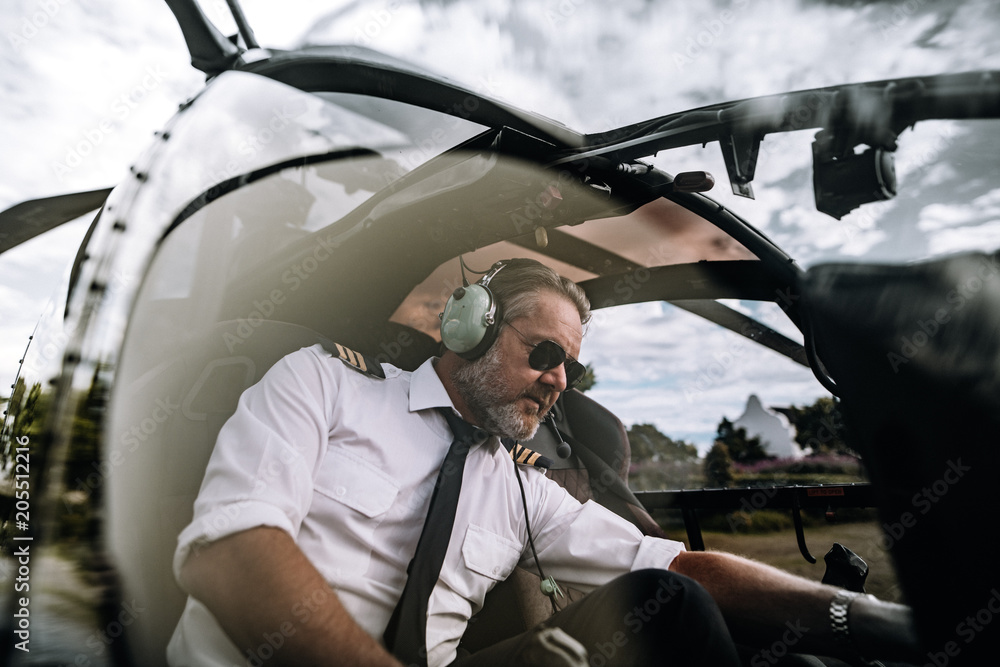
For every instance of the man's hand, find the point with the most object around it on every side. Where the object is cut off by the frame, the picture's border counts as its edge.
(251, 582)
(763, 605)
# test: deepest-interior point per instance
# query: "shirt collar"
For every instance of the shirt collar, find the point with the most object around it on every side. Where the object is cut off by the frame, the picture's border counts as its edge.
(426, 389)
(428, 392)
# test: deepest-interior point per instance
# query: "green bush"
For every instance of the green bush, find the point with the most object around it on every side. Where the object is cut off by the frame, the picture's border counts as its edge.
(740, 521)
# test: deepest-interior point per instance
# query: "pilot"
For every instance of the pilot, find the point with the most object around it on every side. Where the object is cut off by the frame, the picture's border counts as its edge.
(356, 514)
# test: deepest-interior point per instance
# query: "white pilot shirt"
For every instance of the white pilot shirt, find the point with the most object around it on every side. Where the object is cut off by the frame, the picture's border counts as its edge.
(346, 463)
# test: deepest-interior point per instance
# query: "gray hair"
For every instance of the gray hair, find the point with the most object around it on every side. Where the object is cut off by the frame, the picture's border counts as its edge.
(518, 284)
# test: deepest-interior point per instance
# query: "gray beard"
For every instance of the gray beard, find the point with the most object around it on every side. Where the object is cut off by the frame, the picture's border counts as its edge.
(481, 383)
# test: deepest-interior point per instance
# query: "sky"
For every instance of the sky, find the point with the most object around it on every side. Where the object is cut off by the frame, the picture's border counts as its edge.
(85, 84)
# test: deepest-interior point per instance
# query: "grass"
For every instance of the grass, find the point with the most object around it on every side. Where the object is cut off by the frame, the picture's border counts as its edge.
(780, 549)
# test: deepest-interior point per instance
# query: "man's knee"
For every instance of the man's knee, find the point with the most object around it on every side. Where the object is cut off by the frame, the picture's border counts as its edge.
(659, 596)
(662, 611)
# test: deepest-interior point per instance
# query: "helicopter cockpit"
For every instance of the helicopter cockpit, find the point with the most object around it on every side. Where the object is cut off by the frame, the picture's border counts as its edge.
(331, 195)
(349, 234)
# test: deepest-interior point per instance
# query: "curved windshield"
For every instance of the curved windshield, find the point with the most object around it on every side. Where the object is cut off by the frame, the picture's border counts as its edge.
(321, 252)
(947, 202)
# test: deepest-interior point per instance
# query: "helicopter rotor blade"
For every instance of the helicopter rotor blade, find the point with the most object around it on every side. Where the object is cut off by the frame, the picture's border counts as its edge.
(26, 220)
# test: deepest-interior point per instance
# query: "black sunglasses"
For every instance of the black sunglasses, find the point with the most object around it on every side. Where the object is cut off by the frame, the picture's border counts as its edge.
(548, 354)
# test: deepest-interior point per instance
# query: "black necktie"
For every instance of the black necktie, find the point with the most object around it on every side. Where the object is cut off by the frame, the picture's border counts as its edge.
(405, 635)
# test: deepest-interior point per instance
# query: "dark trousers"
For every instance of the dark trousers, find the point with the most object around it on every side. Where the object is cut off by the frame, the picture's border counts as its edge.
(648, 617)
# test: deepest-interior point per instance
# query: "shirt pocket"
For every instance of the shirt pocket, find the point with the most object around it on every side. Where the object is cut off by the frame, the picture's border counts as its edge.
(356, 483)
(488, 554)
(351, 499)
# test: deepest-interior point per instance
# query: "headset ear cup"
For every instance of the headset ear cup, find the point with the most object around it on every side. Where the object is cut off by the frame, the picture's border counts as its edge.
(470, 321)
(471, 318)
(490, 332)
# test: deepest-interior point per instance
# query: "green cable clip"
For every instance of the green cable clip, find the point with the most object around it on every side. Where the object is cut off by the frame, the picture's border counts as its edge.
(550, 588)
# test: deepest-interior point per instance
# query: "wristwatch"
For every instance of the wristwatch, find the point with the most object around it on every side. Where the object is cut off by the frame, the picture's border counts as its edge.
(839, 606)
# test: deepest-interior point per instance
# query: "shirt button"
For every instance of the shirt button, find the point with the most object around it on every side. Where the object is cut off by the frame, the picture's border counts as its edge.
(340, 491)
(496, 570)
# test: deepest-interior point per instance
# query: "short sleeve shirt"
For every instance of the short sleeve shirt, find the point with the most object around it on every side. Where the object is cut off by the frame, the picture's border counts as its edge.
(346, 463)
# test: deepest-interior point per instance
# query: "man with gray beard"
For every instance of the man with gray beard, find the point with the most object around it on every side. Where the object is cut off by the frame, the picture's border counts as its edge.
(359, 559)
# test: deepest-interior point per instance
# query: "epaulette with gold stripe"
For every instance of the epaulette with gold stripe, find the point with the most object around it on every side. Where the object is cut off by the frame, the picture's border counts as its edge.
(529, 457)
(360, 362)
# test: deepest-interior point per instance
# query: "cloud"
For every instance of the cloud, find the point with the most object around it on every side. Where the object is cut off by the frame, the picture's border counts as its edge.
(585, 64)
(936, 217)
(967, 239)
(657, 364)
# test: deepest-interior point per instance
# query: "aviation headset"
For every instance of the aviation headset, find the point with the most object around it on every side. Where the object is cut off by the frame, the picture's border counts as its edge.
(472, 317)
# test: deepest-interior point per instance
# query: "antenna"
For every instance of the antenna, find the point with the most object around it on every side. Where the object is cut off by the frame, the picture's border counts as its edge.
(210, 51)
(246, 32)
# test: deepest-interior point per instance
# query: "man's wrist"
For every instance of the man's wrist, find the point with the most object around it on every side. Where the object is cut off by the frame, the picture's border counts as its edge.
(885, 630)
(840, 627)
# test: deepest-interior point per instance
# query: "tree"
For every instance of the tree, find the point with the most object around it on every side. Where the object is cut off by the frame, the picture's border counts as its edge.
(820, 427)
(83, 469)
(647, 443)
(741, 448)
(589, 379)
(718, 466)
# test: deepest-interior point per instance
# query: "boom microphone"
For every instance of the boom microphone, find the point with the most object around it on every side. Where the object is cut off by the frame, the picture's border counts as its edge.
(563, 450)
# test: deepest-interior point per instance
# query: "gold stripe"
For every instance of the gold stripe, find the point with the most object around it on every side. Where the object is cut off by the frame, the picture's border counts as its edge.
(524, 455)
(352, 357)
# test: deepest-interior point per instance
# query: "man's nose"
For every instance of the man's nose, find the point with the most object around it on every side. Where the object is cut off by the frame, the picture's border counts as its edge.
(555, 378)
